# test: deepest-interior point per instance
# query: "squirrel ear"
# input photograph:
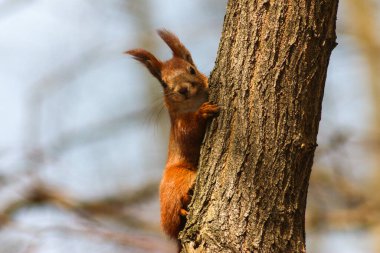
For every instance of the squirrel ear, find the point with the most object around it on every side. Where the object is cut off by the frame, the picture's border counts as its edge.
(179, 50)
(148, 59)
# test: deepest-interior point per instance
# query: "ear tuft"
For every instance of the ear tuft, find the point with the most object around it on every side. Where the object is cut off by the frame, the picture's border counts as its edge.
(178, 49)
(148, 59)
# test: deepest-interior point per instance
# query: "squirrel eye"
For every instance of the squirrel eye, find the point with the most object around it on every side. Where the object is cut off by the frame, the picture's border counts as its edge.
(192, 70)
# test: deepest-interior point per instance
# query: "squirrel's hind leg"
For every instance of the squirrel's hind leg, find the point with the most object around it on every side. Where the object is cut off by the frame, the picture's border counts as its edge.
(174, 197)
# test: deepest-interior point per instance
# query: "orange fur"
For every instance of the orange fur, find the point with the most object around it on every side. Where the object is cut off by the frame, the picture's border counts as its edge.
(185, 95)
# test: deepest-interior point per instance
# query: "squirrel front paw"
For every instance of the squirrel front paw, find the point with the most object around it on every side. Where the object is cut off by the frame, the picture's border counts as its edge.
(208, 110)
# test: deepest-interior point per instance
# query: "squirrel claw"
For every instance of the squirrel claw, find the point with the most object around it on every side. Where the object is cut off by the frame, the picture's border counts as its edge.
(208, 110)
(183, 212)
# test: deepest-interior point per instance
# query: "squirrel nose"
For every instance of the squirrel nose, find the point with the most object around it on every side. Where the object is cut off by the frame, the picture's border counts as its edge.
(183, 91)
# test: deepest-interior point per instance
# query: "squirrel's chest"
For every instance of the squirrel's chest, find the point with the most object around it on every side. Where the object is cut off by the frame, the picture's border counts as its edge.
(189, 130)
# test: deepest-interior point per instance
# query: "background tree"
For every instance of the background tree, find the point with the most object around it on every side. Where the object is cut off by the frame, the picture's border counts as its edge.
(269, 80)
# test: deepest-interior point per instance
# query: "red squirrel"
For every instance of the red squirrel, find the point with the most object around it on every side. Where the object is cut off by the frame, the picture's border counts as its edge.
(186, 98)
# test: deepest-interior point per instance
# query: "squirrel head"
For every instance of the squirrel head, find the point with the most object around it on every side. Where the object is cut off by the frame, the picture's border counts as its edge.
(185, 88)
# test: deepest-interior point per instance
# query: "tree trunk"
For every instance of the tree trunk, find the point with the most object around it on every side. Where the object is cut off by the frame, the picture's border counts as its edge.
(250, 194)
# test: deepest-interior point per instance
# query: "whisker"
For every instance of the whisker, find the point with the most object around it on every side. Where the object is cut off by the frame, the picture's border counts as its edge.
(159, 114)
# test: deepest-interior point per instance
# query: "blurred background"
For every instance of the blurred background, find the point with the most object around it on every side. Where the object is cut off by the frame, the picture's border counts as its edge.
(83, 132)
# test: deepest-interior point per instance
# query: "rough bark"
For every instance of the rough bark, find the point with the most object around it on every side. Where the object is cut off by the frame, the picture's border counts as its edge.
(269, 78)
